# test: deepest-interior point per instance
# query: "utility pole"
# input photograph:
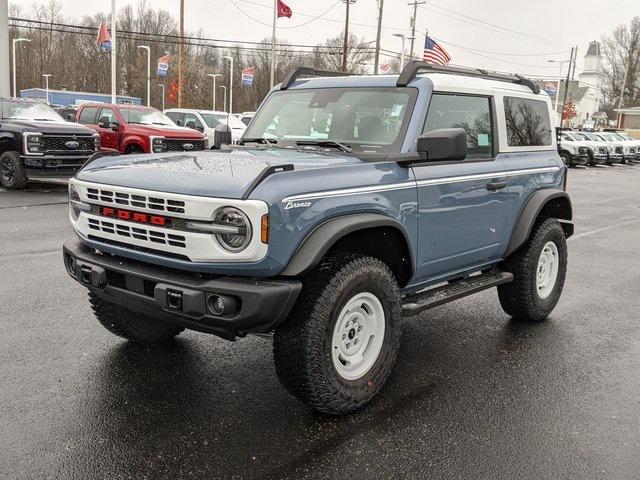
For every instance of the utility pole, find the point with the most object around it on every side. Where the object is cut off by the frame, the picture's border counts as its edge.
(345, 47)
(114, 50)
(4, 49)
(230, 112)
(148, 49)
(181, 55)
(377, 58)
(566, 89)
(162, 88)
(415, 4)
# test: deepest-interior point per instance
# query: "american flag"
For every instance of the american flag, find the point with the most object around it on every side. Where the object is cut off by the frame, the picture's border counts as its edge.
(434, 53)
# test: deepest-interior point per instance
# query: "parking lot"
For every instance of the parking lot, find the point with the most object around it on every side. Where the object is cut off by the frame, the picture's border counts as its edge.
(474, 395)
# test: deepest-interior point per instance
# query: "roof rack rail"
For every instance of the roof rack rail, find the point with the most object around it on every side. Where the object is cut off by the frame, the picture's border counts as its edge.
(414, 67)
(293, 76)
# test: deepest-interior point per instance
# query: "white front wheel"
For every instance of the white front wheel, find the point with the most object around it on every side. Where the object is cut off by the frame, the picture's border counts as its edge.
(547, 270)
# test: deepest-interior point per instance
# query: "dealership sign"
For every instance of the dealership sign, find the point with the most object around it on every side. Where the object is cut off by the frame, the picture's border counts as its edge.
(163, 66)
(247, 76)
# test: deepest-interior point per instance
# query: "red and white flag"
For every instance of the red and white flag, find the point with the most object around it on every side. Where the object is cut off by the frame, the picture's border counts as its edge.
(104, 39)
(283, 10)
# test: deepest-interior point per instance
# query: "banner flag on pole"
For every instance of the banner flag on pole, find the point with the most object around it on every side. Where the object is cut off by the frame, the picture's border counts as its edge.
(163, 66)
(283, 10)
(104, 39)
(247, 76)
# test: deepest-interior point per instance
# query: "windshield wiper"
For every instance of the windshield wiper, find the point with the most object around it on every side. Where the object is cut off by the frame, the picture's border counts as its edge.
(325, 143)
(266, 141)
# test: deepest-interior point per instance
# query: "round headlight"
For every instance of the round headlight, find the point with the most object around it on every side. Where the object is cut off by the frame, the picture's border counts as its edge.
(74, 198)
(240, 231)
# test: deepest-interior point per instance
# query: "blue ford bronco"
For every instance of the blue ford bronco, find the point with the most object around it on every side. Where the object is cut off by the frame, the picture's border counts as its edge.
(351, 202)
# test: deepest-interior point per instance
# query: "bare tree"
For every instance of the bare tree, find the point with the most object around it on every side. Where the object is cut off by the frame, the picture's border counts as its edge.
(330, 54)
(621, 54)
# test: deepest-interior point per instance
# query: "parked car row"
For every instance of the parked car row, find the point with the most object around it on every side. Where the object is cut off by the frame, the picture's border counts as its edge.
(594, 148)
(40, 142)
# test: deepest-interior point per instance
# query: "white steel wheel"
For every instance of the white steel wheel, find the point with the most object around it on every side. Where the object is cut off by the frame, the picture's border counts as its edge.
(358, 336)
(547, 270)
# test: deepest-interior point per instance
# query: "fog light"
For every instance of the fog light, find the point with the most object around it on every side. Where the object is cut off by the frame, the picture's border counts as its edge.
(222, 304)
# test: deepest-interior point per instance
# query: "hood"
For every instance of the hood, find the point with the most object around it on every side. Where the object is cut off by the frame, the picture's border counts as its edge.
(172, 131)
(209, 173)
(62, 128)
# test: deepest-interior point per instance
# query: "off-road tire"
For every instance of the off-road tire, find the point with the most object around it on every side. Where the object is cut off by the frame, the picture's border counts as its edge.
(133, 149)
(302, 344)
(131, 325)
(19, 176)
(520, 298)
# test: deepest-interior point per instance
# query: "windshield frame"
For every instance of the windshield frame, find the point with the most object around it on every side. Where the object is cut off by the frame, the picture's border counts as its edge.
(395, 147)
(54, 117)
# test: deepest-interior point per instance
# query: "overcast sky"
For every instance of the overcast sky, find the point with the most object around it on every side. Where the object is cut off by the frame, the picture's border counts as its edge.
(505, 35)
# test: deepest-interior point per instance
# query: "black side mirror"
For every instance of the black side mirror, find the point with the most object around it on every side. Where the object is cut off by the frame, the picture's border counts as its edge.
(70, 117)
(443, 144)
(221, 136)
(103, 122)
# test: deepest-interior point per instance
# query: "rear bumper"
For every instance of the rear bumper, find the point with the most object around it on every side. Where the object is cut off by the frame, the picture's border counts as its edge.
(257, 305)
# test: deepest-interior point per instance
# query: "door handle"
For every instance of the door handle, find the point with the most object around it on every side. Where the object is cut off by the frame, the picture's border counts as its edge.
(496, 186)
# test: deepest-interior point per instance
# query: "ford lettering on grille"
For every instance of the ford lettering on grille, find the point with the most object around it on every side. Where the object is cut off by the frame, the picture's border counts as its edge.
(137, 217)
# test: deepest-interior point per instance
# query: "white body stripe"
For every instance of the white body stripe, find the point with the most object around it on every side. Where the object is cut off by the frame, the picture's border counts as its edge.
(419, 183)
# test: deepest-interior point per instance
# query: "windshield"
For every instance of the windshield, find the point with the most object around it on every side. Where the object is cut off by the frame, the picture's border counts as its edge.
(609, 137)
(147, 116)
(34, 111)
(214, 119)
(366, 119)
(582, 136)
(570, 137)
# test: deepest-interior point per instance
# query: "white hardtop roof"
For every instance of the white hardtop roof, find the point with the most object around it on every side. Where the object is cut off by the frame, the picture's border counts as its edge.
(462, 83)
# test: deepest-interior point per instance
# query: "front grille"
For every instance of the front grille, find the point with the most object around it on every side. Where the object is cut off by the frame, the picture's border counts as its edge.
(632, 149)
(57, 144)
(174, 145)
(145, 234)
(133, 200)
(618, 150)
(583, 150)
(602, 150)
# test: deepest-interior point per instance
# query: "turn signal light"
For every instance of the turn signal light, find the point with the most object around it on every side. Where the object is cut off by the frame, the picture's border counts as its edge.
(264, 229)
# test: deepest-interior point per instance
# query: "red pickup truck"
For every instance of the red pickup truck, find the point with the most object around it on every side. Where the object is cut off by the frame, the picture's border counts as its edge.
(137, 129)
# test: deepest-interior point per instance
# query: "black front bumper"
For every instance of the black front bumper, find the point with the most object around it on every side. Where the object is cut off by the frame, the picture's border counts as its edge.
(47, 166)
(580, 159)
(180, 297)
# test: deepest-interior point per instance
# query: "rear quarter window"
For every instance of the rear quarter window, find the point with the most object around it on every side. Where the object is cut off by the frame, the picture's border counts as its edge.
(527, 122)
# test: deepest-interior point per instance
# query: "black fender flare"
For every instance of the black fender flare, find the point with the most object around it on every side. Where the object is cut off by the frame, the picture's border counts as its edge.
(318, 242)
(532, 208)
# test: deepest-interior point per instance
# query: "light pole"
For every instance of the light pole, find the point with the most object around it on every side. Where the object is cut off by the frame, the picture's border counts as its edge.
(230, 83)
(16, 40)
(114, 50)
(225, 97)
(403, 37)
(162, 87)
(213, 96)
(561, 62)
(148, 49)
(46, 83)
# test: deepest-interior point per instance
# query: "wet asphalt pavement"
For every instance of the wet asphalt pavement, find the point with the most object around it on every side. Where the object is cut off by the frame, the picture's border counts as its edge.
(474, 394)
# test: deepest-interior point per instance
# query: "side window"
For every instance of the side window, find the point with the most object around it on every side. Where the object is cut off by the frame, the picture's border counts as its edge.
(88, 115)
(528, 123)
(176, 117)
(471, 113)
(107, 112)
(191, 121)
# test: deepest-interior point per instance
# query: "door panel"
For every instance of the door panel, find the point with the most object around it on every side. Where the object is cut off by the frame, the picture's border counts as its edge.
(108, 137)
(461, 221)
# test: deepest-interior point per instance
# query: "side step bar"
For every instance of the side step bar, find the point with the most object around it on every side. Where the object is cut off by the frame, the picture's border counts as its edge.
(419, 302)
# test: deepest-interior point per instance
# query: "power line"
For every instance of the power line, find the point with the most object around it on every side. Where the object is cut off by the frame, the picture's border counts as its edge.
(485, 24)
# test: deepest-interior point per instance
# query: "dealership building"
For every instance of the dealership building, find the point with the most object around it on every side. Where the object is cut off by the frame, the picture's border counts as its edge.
(67, 97)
